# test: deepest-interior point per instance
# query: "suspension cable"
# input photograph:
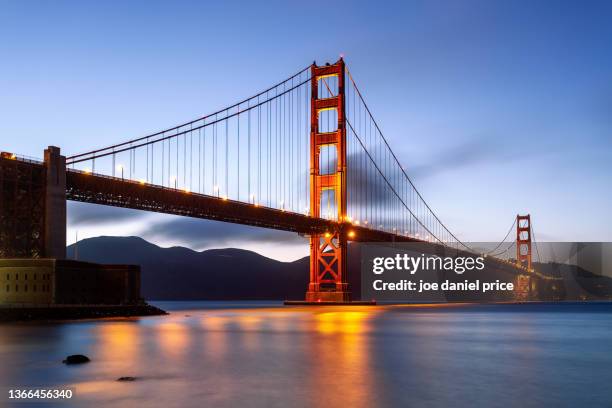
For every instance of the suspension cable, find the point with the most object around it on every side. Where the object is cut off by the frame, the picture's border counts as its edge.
(503, 240)
(387, 181)
(536, 244)
(214, 122)
(399, 164)
(203, 118)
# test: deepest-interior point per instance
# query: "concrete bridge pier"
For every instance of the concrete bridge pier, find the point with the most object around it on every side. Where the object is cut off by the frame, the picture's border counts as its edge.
(55, 204)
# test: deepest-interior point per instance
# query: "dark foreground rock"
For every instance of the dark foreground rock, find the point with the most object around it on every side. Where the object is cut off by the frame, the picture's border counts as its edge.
(76, 359)
(11, 314)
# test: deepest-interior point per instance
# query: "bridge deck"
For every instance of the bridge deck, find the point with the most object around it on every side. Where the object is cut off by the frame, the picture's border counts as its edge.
(105, 190)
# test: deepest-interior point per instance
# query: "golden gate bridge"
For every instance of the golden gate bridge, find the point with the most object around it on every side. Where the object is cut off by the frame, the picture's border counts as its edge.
(305, 155)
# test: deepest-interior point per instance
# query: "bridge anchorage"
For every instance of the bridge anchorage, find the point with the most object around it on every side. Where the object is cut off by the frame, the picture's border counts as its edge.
(305, 155)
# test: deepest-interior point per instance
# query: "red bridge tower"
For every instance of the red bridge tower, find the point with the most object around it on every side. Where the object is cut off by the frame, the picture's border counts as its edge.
(328, 271)
(523, 240)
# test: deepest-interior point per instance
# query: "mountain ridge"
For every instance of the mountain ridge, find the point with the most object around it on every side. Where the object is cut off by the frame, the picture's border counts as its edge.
(179, 273)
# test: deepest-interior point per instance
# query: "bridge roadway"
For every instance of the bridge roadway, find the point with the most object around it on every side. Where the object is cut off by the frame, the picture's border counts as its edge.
(20, 177)
(117, 192)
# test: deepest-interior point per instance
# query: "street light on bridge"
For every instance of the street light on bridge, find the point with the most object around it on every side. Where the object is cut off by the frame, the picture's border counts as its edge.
(120, 168)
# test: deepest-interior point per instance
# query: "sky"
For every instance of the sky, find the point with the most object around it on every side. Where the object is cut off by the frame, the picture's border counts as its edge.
(494, 108)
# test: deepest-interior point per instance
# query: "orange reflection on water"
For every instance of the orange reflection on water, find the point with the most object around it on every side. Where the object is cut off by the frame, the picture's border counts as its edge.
(344, 320)
(281, 320)
(173, 337)
(340, 348)
(248, 322)
(119, 344)
(215, 343)
(213, 323)
(249, 325)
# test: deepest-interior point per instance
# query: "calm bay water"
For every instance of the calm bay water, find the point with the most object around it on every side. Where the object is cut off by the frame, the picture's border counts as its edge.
(252, 354)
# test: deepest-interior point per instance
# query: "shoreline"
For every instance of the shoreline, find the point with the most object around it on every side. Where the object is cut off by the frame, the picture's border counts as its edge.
(30, 313)
(76, 312)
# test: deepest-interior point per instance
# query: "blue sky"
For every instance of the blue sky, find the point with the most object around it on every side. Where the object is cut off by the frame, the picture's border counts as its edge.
(494, 108)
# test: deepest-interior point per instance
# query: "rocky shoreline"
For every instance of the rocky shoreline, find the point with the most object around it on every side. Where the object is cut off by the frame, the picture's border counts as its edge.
(70, 312)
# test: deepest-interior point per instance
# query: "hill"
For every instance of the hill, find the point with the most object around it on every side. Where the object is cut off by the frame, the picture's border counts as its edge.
(179, 273)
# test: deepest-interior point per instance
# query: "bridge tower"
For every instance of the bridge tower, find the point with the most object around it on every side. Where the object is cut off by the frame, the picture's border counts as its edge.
(328, 266)
(33, 206)
(523, 240)
(55, 203)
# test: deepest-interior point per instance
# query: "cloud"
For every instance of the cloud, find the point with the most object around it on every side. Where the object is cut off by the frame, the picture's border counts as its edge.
(488, 149)
(202, 234)
(91, 220)
(85, 214)
(470, 152)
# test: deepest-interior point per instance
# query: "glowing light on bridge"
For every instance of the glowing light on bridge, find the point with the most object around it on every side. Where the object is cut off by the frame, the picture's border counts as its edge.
(120, 168)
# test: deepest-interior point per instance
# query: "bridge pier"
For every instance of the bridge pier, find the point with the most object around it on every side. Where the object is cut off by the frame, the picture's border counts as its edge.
(328, 267)
(525, 287)
(55, 204)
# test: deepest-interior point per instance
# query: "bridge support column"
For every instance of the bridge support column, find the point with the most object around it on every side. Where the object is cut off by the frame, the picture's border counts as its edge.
(55, 204)
(328, 271)
(523, 241)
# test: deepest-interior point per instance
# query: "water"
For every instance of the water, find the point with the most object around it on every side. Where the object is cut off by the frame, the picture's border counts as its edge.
(248, 354)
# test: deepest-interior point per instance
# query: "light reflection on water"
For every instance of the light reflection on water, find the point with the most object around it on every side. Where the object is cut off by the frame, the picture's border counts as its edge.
(261, 355)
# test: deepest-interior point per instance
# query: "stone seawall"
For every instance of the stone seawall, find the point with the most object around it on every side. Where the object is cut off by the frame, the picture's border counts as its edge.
(70, 312)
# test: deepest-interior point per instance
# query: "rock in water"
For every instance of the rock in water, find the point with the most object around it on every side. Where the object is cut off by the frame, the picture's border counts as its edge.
(126, 379)
(76, 359)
